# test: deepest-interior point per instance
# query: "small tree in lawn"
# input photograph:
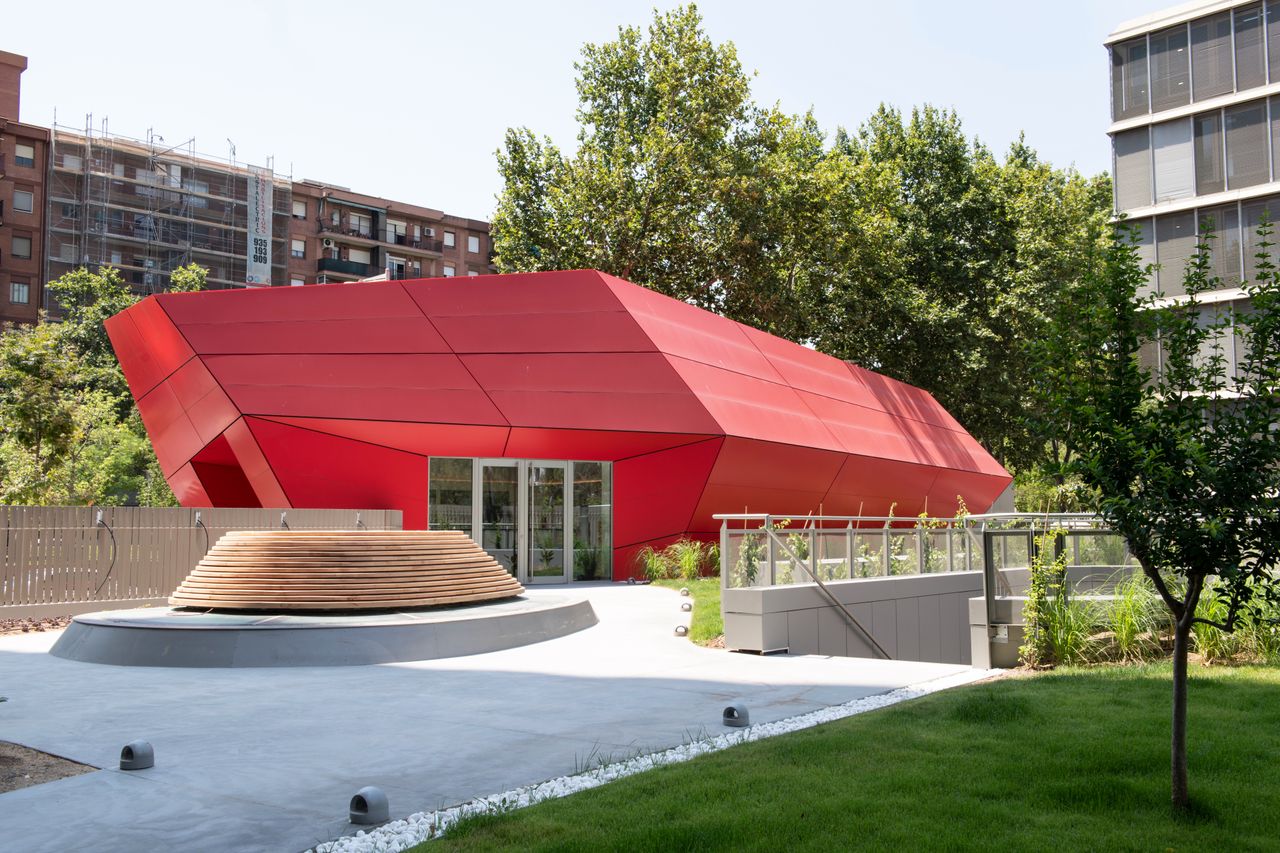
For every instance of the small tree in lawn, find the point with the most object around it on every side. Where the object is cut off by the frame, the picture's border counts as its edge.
(1185, 460)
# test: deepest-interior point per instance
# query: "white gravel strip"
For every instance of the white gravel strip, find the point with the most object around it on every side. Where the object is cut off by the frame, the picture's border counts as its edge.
(401, 834)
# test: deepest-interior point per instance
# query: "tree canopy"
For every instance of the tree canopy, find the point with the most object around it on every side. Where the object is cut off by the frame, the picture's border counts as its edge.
(903, 245)
(1183, 455)
(69, 431)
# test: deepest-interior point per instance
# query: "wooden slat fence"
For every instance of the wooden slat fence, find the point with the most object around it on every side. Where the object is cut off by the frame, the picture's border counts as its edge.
(57, 560)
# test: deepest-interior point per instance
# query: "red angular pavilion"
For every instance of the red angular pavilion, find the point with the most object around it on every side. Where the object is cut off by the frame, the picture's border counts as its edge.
(585, 413)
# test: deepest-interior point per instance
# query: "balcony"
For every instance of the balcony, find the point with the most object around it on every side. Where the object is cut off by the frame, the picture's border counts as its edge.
(344, 267)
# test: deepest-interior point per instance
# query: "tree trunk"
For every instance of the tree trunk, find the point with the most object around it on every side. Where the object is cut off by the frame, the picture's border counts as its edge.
(1178, 753)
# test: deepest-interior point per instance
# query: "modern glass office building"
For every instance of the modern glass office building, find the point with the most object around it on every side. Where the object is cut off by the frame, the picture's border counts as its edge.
(1195, 107)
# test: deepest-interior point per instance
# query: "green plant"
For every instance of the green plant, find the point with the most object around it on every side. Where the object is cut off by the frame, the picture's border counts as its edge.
(1134, 618)
(586, 561)
(1046, 608)
(656, 563)
(750, 551)
(1214, 644)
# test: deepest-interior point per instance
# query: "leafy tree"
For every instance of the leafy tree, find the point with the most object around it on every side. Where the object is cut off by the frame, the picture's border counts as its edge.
(902, 246)
(36, 415)
(1185, 459)
(70, 433)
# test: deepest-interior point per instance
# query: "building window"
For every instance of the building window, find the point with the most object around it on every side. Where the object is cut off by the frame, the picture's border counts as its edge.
(1175, 243)
(298, 248)
(1170, 69)
(19, 292)
(361, 224)
(1209, 177)
(1144, 240)
(1253, 214)
(1133, 168)
(1224, 224)
(24, 155)
(1248, 158)
(296, 281)
(449, 240)
(1250, 62)
(1171, 149)
(299, 209)
(1273, 39)
(448, 271)
(360, 256)
(473, 244)
(395, 232)
(23, 201)
(72, 162)
(22, 247)
(1129, 79)
(449, 494)
(1211, 56)
(70, 211)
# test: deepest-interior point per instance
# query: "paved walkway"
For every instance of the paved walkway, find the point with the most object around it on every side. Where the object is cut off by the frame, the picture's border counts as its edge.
(267, 759)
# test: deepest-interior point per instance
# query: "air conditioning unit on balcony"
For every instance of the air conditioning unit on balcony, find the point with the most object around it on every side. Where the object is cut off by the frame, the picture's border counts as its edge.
(327, 243)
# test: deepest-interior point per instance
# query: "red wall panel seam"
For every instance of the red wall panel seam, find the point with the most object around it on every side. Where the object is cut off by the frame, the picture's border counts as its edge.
(463, 364)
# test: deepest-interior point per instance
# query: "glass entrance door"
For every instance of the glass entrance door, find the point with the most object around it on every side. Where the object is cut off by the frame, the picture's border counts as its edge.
(547, 500)
(499, 511)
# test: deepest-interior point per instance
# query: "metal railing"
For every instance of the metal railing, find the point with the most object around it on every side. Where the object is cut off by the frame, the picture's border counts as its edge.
(64, 560)
(759, 549)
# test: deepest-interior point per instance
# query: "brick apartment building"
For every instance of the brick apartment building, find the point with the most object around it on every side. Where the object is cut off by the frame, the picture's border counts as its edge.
(71, 198)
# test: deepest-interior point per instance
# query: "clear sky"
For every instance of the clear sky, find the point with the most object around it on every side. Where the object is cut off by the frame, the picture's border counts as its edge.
(409, 100)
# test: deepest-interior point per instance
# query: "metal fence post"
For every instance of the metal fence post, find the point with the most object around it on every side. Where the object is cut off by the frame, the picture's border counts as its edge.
(769, 556)
(849, 538)
(884, 552)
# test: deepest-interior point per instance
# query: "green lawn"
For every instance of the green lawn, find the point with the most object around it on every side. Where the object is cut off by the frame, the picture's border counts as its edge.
(1069, 760)
(707, 622)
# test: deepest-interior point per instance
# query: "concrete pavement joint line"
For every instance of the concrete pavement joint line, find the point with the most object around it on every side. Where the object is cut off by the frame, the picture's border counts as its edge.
(423, 826)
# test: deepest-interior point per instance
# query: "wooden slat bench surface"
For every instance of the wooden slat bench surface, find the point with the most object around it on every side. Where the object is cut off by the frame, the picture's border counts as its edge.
(343, 570)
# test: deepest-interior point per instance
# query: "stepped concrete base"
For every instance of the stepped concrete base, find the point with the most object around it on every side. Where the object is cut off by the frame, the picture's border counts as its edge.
(182, 638)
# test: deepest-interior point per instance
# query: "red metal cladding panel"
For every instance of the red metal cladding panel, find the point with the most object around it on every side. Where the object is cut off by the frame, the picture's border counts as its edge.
(147, 344)
(978, 490)
(426, 439)
(367, 300)
(584, 445)
(680, 329)
(324, 471)
(537, 312)
(878, 484)
(906, 401)
(257, 470)
(428, 388)
(753, 408)
(226, 485)
(187, 488)
(207, 407)
(173, 436)
(600, 391)
(353, 335)
(217, 452)
(873, 433)
(757, 476)
(810, 370)
(655, 494)
(519, 293)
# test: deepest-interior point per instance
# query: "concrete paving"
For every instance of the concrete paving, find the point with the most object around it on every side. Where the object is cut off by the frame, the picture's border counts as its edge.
(267, 759)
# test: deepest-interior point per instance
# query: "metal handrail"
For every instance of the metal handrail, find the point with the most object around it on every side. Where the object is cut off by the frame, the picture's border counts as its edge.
(826, 592)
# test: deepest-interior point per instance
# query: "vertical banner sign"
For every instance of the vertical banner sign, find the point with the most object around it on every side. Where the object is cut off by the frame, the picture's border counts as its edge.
(258, 261)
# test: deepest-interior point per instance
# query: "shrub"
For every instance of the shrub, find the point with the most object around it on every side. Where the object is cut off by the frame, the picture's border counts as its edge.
(684, 559)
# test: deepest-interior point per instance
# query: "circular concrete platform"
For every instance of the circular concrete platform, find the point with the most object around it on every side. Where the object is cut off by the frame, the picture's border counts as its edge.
(165, 636)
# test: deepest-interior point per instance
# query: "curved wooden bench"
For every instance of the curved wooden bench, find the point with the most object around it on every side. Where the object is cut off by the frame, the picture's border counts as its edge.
(343, 570)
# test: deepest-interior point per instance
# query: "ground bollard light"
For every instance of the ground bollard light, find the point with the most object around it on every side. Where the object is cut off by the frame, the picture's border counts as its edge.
(736, 715)
(137, 755)
(369, 805)
(686, 606)
(684, 590)
(682, 631)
